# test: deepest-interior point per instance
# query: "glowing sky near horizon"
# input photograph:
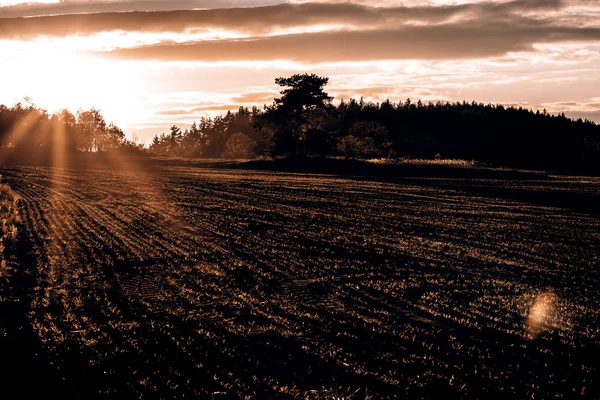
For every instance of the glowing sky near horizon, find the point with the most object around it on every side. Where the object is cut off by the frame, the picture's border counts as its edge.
(175, 61)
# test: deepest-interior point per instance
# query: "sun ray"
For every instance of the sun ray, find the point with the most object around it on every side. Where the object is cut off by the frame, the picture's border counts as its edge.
(135, 174)
(19, 132)
(59, 143)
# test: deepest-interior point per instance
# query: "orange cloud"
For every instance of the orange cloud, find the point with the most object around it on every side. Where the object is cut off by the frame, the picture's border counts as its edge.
(441, 42)
(33, 8)
(270, 19)
(255, 98)
(199, 110)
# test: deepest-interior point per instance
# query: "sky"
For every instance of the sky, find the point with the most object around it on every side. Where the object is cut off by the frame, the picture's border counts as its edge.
(149, 64)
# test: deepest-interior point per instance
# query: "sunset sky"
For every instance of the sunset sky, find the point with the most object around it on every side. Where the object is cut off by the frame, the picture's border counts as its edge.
(148, 64)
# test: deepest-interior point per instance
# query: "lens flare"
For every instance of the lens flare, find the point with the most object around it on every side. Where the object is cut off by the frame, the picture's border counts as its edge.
(541, 315)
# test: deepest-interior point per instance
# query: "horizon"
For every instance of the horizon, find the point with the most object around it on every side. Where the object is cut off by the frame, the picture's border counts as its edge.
(148, 70)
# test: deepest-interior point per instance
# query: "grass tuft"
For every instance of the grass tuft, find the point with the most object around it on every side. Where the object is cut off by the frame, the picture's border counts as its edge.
(9, 217)
(424, 161)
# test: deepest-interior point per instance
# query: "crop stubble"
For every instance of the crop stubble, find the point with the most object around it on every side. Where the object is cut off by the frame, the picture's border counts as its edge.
(204, 282)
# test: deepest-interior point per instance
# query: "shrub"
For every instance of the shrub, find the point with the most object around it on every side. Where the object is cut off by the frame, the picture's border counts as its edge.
(239, 146)
(365, 139)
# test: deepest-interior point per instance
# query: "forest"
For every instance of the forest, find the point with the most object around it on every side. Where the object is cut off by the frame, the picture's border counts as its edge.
(305, 123)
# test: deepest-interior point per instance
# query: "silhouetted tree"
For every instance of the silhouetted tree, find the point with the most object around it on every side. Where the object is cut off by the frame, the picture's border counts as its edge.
(192, 142)
(91, 128)
(294, 124)
(159, 144)
(65, 130)
(110, 139)
(174, 139)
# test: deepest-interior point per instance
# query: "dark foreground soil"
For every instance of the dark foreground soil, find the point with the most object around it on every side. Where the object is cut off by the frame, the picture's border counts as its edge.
(175, 281)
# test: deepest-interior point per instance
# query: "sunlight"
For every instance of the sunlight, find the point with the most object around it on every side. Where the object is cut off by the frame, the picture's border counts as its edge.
(61, 78)
(59, 144)
(22, 128)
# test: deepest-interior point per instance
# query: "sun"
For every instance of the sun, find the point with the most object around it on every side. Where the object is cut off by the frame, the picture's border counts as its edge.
(59, 74)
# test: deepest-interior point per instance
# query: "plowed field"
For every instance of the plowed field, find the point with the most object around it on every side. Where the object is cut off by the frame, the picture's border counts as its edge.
(184, 282)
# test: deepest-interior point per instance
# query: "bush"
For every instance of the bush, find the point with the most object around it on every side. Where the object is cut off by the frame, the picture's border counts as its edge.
(239, 146)
(365, 139)
(355, 147)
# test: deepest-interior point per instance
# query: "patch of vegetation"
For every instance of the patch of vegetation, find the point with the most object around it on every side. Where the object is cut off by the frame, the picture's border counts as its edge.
(425, 161)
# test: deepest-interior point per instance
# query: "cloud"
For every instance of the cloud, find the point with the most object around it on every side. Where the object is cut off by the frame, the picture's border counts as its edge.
(574, 106)
(255, 98)
(27, 8)
(325, 32)
(269, 19)
(198, 110)
(382, 93)
(221, 104)
(440, 42)
(256, 20)
(573, 109)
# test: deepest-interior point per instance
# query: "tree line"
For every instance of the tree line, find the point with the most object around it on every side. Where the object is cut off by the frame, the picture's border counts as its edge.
(304, 122)
(26, 127)
(227, 136)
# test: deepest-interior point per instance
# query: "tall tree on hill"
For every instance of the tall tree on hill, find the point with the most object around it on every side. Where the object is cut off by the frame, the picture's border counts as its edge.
(296, 123)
